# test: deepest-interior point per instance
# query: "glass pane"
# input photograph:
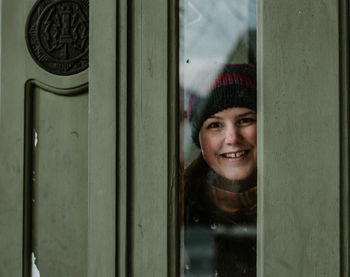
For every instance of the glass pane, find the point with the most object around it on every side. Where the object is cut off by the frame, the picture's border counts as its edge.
(219, 137)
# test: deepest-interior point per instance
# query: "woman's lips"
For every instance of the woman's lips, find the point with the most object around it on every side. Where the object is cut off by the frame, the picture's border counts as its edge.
(237, 155)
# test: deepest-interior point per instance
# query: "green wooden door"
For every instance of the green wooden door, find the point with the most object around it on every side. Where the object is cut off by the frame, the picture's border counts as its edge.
(58, 144)
(89, 174)
(303, 151)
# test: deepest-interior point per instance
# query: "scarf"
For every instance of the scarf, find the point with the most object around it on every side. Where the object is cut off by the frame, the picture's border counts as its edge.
(233, 202)
(212, 188)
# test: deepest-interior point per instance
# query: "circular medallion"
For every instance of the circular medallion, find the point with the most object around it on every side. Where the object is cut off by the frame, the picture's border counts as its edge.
(57, 35)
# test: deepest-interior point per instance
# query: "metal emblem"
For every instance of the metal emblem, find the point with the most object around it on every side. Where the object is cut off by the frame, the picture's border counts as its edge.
(57, 35)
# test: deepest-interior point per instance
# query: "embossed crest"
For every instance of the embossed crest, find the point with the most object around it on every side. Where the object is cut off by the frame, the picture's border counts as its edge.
(57, 35)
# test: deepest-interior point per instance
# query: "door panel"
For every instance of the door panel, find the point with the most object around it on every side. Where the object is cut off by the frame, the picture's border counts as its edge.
(300, 141)
(58, 141)
(57, 189)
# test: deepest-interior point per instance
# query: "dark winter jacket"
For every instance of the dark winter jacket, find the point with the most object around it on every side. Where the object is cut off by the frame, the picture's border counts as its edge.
(216, 243)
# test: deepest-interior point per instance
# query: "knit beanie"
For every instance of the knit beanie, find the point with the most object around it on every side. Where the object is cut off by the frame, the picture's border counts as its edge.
(212, 92)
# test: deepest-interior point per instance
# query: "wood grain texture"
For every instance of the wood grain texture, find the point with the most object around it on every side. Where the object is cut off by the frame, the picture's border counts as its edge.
(17, 67)
(58, 181)
(102, 140)
(148, 158)
(299, 139)
(12, 76)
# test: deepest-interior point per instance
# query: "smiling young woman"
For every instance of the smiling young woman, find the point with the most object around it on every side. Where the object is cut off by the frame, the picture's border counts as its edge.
(228, 144)
(221, 183)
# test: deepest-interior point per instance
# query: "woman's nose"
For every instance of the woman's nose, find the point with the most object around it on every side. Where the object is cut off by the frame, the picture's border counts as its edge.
(232, 136)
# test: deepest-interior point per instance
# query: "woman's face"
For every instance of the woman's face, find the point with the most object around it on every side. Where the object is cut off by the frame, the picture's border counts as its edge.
(228, 143)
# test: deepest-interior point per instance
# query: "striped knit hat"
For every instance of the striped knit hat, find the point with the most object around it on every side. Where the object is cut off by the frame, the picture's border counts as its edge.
(212, 92)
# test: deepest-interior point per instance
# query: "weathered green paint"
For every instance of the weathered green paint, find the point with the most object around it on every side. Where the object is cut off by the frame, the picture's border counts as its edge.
(102, 140)
(299, 139)
(58, 181)
(11, 137)
(65, 189)
(148, 140)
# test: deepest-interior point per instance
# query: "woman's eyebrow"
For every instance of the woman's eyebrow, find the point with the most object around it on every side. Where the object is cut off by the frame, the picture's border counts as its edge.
(215, 117)
(247, 113)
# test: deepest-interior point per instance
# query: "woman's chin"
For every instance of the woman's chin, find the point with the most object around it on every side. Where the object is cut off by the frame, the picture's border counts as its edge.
(242, 177)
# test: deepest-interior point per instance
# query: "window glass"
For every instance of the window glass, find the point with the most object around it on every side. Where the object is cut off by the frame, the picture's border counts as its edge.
(219, 137)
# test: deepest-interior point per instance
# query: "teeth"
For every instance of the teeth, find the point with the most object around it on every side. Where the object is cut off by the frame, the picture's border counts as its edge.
(234, 155)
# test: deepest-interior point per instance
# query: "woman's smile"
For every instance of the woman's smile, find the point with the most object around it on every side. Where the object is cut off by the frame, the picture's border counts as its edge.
(235, 155)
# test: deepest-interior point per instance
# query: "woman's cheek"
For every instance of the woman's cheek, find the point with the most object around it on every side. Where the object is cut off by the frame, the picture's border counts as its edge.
(209, 144)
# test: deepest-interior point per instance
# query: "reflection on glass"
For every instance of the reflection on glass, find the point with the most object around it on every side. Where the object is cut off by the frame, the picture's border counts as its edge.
(218, 81)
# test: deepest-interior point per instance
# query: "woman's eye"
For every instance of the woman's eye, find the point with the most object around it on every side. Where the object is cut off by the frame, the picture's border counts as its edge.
(246, 121)
(214, 125)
